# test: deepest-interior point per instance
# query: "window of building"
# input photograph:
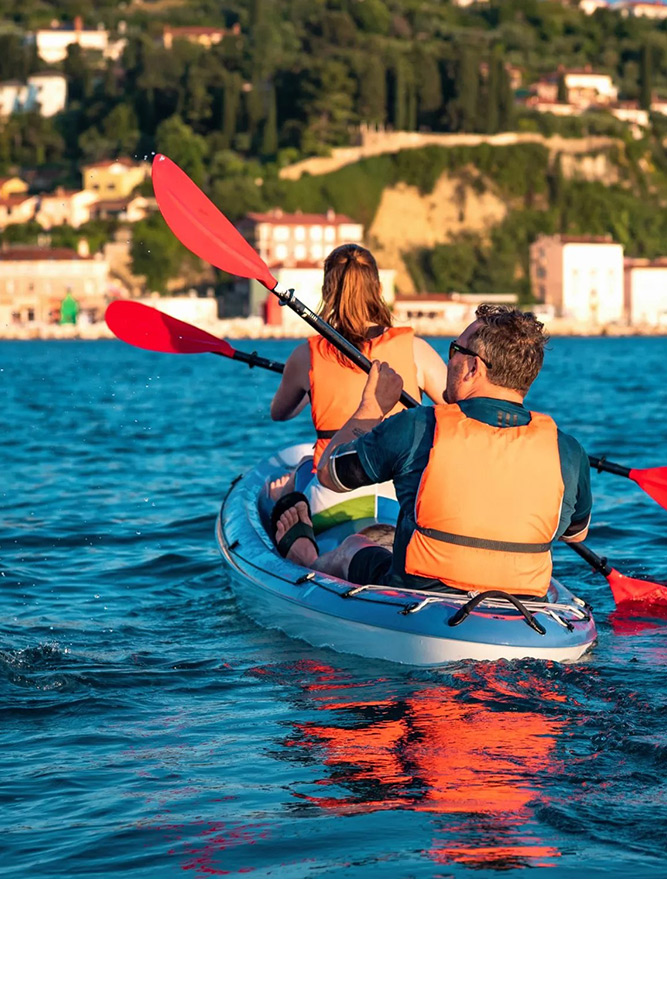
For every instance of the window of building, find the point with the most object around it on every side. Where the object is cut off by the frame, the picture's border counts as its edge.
(316, 251)
(330, 232)
(280, 251)
(300, 233)
(280, 233)
(316, 232)
(31, 315)
(300, 252)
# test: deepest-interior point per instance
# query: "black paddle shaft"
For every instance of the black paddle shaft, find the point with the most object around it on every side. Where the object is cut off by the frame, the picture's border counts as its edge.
(597, 562)
(602, 465)
(288, 298)
(254, 360)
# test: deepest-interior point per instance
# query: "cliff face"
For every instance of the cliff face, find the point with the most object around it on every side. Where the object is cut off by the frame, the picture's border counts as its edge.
(407, 219)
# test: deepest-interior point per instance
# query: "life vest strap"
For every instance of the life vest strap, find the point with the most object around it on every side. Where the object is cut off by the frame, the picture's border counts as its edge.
(484, 543)
(326, 434)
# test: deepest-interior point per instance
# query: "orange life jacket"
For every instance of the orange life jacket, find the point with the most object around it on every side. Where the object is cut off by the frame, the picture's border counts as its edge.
(335, 388)
(488, 505)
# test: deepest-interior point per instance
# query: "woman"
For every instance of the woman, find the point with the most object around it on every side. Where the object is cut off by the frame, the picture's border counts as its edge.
(352, 303)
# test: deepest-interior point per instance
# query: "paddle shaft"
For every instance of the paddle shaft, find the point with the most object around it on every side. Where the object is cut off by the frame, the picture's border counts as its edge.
(597, 562)
(253, 360)
(602, 465)
(288, 298)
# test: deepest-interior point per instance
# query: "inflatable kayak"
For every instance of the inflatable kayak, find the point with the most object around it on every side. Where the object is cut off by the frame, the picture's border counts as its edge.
(406, 626)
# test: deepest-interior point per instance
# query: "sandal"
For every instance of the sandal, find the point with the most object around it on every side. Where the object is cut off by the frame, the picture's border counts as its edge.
(298, 530)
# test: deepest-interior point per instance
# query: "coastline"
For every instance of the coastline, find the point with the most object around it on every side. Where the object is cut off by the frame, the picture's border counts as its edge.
(255, 329)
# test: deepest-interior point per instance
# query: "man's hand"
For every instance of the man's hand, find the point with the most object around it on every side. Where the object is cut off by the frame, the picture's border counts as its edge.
(382, 390)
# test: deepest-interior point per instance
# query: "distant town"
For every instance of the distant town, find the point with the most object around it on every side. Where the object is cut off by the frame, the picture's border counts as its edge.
(68, 249)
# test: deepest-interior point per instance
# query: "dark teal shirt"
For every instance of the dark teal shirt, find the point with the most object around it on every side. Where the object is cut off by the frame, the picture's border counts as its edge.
(398, 449)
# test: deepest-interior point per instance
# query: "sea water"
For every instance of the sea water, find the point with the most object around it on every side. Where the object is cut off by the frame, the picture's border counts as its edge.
(150, 728)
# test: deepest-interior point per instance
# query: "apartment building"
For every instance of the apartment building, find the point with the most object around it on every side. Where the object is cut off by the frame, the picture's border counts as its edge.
(580, 276)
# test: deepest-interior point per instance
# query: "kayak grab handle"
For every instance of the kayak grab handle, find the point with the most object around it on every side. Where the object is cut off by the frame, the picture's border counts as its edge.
(470, 605)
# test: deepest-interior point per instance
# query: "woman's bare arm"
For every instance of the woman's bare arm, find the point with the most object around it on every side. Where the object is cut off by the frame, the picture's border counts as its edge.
(292, 393)
(431, 370)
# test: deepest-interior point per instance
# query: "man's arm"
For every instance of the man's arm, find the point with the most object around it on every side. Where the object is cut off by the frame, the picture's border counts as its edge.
(381, 393)
(581, 516)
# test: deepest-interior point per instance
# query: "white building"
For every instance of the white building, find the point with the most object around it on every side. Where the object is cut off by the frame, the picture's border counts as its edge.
(646, 292)
(431, 312)
(630, 112)
(584, 88)
(52, 43)
(655, 9)
(35, 280)
(590, 6)
(294, 238)
(195, 309)
(43, 92)
(306, 280)
(65, 208)
(581, 276)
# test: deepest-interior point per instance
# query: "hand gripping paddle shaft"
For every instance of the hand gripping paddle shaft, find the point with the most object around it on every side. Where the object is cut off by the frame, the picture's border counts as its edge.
(203, 229)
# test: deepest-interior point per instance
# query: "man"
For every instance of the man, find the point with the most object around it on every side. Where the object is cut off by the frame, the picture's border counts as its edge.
(484, 485)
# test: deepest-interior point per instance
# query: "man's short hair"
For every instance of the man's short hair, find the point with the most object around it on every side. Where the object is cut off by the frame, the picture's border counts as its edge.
(512, 342)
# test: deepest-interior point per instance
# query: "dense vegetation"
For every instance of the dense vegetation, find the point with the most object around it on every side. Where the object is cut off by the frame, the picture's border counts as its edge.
(301, 75)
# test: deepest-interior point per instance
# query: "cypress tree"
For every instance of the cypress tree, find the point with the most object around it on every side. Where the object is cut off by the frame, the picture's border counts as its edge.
(646, 77)
(269, 146)
(373, 91)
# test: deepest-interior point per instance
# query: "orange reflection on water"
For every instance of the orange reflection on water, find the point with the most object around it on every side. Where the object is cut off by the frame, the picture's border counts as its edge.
(474, 752)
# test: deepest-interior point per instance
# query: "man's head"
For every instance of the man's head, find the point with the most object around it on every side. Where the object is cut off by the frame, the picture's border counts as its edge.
(499, 355)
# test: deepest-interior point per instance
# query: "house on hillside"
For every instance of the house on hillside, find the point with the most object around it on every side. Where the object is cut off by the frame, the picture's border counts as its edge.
(112, 179)
(655, 9)
(130, 209)
(65, 208)
(16, 209)
(52, 43)
(580, 276)
(34, 281)
(206, 37)
(45, 93)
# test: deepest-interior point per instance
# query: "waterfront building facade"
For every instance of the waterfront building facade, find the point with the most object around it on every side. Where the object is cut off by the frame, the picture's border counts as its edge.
(34, 281)
(293, 239)
(646, 292)
(580, 276)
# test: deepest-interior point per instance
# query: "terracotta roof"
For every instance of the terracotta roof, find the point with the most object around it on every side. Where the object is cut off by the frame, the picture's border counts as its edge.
(39, 253)
(279, 218)
(196, 31)
(16, 199)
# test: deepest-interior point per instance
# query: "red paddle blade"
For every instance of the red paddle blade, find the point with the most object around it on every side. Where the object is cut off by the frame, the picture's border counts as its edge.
(653, 482)
(626, 589)
(143, 326)
(201, 227)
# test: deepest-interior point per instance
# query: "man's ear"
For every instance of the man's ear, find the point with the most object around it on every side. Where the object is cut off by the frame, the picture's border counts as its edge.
(473, 369)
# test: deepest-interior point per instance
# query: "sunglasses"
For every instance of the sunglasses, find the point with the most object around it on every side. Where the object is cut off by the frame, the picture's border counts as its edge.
(454, 348)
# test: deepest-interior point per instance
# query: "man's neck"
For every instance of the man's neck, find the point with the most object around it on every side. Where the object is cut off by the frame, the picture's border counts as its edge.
(498, 392)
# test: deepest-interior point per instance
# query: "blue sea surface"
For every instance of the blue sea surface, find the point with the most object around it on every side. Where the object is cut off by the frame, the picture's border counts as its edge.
(149, 728)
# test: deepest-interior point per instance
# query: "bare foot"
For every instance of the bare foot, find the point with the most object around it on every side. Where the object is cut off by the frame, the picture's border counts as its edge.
(302, 551)
(279, 487)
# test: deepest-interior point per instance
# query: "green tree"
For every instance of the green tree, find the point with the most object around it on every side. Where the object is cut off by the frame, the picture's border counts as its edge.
(428, 89)
(155, 252)
(372, 99)
(181, 143)
(269, 146)
(646, 77)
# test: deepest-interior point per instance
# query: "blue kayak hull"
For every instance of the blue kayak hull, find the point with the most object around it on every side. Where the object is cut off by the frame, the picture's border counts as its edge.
(405, 626)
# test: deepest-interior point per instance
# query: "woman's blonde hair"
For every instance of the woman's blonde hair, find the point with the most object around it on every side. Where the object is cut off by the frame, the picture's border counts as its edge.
(351, 294)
